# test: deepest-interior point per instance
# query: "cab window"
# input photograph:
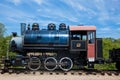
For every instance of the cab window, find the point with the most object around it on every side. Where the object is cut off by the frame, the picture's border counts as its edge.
(79, 35)
(91, 37)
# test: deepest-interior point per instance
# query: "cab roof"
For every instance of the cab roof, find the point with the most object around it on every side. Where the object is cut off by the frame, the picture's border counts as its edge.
(82, 28)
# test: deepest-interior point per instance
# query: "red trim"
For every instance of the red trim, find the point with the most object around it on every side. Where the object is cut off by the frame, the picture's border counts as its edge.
(82, 28)
(91, 51)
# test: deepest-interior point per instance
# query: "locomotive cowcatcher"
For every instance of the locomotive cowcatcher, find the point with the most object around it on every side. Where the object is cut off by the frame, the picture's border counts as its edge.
(54, 48)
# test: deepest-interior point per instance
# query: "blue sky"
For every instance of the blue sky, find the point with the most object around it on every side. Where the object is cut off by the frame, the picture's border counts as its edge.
(104, 14)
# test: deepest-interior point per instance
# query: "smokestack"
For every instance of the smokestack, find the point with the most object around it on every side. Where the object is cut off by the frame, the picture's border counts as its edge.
(23, 28)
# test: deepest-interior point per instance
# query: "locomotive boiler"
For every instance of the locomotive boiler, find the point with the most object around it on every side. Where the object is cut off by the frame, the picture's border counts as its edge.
(40, 40)
(53, 48)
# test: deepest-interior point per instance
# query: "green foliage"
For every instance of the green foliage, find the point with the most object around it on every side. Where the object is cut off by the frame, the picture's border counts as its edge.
(2, 30)
(4, 45)
(4, 42)
(11, 54)
(105, 66)
(108, 44)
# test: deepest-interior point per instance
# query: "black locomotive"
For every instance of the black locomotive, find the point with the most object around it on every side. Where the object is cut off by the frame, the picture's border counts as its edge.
(54, 48)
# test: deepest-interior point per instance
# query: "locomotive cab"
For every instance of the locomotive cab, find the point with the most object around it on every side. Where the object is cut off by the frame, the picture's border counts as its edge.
(84, 42)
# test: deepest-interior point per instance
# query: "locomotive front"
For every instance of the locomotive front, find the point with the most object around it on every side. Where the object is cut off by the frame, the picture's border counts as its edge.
(49, 43)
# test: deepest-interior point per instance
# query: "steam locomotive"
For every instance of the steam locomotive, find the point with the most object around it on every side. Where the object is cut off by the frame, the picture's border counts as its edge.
(60, 48)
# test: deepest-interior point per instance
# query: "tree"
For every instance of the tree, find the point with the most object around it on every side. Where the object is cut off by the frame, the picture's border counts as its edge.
(4, 45)
(3, 40)
(108, 44)
(2, 30)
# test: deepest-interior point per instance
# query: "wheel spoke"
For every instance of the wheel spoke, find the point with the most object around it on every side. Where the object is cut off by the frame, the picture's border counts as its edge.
(34, 63)
(50, 63)
(65, 63)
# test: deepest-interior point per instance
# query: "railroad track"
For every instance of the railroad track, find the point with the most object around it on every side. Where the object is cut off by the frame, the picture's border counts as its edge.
(72, 72)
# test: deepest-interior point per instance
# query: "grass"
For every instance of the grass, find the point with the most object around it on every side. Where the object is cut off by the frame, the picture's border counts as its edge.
(105, 66)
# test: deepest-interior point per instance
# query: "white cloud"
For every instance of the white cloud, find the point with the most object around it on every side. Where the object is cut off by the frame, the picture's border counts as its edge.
(118, 28)
(57, 13)
(16, 2)
(78, 7)
(102, 11)
(14, 15)
(38, 1)
(118, 23)
(105, 29)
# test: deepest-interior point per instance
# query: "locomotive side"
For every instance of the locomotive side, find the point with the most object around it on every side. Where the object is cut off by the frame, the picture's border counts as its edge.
(53, 48)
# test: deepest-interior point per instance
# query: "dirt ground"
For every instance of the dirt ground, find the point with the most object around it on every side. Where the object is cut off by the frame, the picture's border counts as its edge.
(38, 76)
